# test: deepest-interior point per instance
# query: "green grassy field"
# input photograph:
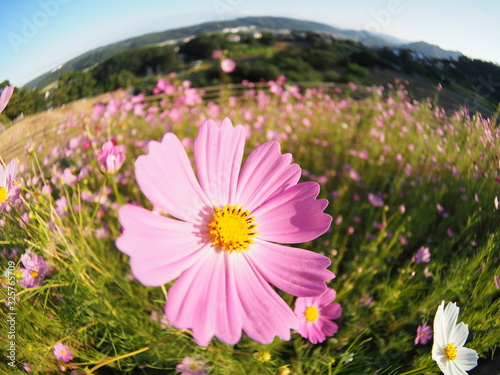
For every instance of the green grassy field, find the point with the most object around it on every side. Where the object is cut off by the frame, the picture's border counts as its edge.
(399, 176)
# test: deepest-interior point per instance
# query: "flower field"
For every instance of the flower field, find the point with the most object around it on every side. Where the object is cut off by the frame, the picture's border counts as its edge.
(319, 237)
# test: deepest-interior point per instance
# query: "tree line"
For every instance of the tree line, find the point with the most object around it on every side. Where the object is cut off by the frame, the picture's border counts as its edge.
(300, 56)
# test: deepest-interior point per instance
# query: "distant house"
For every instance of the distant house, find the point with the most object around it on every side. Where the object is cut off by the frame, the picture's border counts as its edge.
(234, 38)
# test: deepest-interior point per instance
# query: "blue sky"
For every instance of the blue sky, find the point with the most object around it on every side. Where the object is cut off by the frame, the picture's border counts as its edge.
(38, 35)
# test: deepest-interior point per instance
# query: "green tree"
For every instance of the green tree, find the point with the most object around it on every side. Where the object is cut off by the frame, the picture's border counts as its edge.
(201, 47)
(73, 86)
(23, 101)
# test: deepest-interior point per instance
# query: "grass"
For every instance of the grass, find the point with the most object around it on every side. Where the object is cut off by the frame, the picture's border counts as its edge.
(435, 173)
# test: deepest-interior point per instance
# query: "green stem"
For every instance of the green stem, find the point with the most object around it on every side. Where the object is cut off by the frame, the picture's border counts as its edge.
(98, 205)
(118, 196)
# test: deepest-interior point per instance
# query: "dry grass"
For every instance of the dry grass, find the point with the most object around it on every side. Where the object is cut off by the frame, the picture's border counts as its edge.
(41, 127)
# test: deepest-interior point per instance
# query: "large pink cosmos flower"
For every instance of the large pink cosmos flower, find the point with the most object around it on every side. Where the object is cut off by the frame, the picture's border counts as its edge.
(220, 239)
(315, 316)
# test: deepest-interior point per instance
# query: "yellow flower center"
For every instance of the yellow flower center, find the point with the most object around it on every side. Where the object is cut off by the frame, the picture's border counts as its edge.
(3, 194)
(192, 367)
(34, 274)
(312, 314)
(232, 228)
(450, 352)
(63, 351)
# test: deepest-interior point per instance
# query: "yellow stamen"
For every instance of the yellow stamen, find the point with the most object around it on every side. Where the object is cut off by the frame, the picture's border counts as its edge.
(232, 228)
(3, 194)
(450, 352)
(34, 274)
(312, 314)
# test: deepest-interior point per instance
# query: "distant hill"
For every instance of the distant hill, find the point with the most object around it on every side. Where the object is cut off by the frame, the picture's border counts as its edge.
(433, 51)
(100, 54)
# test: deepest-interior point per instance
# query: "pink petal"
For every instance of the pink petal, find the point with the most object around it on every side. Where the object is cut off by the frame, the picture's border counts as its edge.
(293, 216)
(328, 327)
(11, 171)
(295, 271)
(265, 313)
(300, 305)
(5, 97)
(221, 295)
(205, 299)
(218, 153)
(166, 177)
(332, 311)
(266, 172)
(327, 297)
(160, 248)
(313, 332)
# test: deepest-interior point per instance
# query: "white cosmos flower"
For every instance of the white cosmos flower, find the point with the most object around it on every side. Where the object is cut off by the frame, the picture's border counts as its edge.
(449, 339)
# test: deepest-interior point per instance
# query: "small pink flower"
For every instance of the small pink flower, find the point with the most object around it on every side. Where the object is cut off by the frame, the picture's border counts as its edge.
(375, 200)
(315, 316)
(217, 54)
(403, 240)
(427, 272)
(35, 270)
(227, 65)
(496, 281)
(9, 190)
(423, 255)
(366, 300)
(5, 97)
(192, 366)
(424, 333)
(62, 352)
(111, 157)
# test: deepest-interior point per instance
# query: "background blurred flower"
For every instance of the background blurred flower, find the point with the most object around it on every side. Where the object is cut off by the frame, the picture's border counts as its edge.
(424, 333)
(217, 54)
(227, 65)
(315, 316)
(62, 352)
(111, 157)
(449, 339)
(423, 255)
(366, 300)
(35, 271)
(193, 366)
(375, 200)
